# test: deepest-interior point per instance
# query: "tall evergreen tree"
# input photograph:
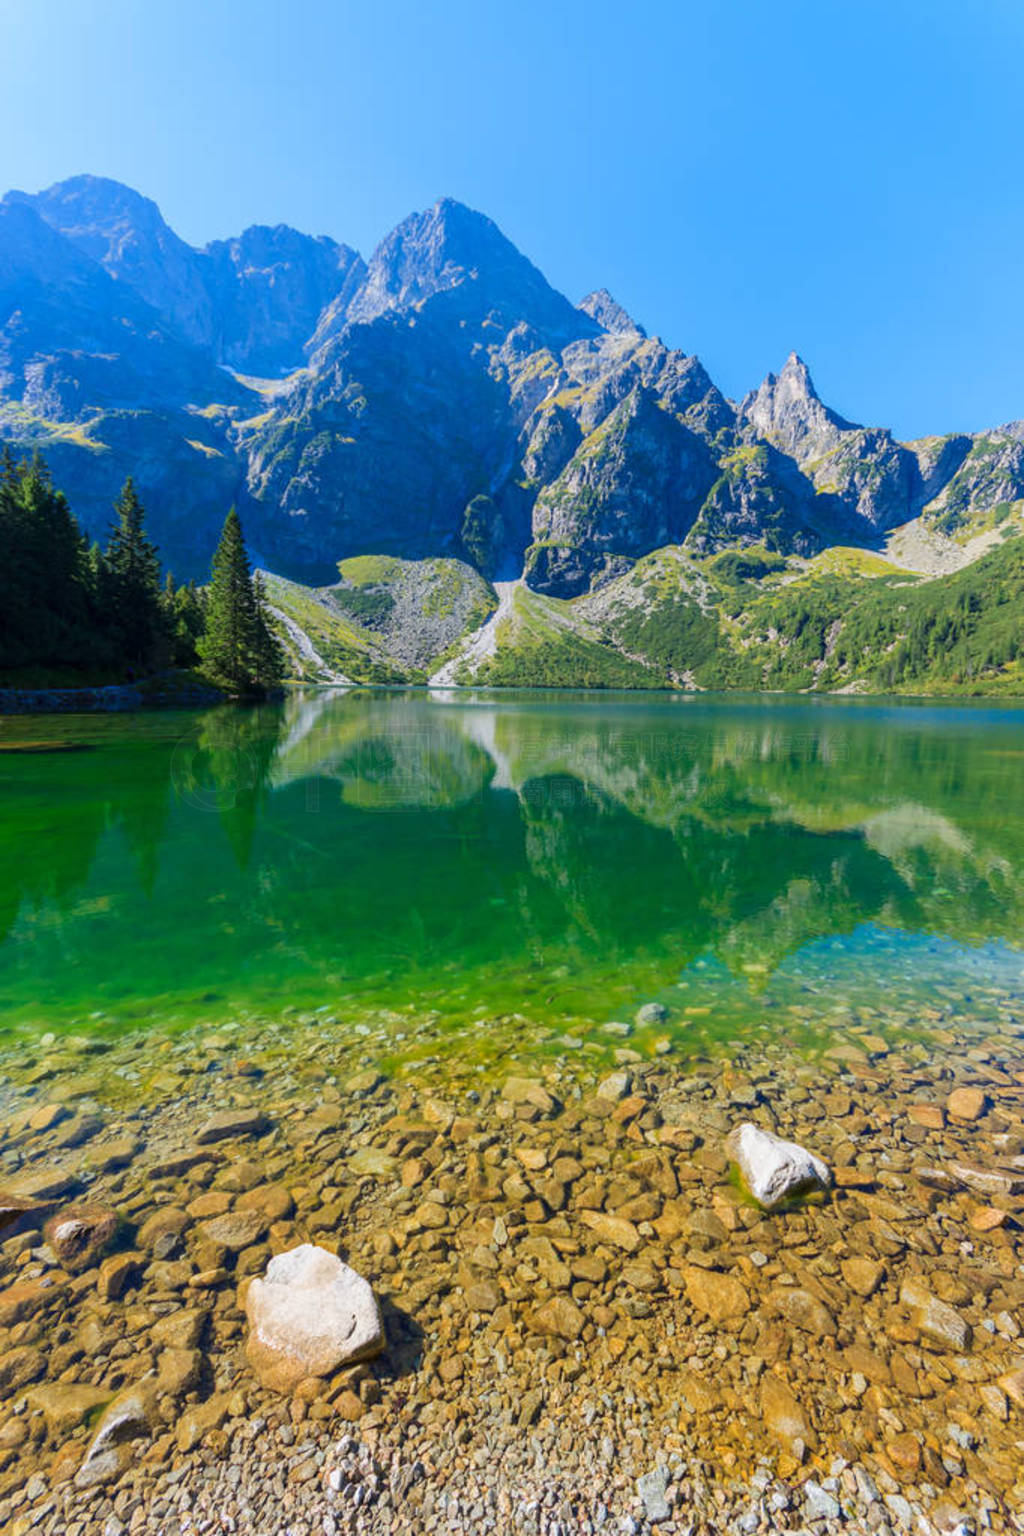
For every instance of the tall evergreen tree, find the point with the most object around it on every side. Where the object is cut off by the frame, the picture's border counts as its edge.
(133, 585)
(237, 648)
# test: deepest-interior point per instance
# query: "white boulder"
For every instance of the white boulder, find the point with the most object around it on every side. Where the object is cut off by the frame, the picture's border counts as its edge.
(772, 1169)
(309, 1315)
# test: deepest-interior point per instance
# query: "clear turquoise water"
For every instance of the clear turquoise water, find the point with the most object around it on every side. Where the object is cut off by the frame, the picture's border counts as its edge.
(756, 863)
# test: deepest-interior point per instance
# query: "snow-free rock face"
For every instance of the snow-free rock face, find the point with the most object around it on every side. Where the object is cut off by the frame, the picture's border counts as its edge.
(773, 1170)
(635, 482)
(309, 1315)
(350, 407)
(609, 313)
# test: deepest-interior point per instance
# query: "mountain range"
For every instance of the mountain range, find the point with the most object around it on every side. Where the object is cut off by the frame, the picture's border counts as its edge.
(441, 409)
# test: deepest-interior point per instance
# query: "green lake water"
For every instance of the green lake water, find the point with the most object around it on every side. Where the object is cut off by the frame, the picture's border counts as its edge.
(757, 864)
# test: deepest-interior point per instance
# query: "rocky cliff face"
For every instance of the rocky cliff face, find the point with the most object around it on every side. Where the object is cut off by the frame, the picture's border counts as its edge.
(439, 400)
(636, 482)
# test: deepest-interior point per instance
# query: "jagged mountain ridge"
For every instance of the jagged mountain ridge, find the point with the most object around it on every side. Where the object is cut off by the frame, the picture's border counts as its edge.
(439, 400)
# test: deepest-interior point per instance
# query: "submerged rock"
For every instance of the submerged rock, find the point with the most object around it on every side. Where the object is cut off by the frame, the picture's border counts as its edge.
(772, 1169)
(67, 1404)
(309, 1315)
(80, 1235)
(651, 1013)
(131, 1416)
(232, 1122)
(937, 1321)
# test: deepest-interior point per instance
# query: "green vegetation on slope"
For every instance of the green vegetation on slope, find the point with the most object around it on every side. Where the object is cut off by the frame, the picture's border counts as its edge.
(343, 647)
(960, 633)
(540, 647)
(747, 619)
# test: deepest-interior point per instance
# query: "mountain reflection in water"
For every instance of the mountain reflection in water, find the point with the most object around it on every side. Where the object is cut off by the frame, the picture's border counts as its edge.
(562, 855)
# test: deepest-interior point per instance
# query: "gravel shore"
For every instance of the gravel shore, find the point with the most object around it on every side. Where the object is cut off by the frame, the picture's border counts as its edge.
(589, 1326)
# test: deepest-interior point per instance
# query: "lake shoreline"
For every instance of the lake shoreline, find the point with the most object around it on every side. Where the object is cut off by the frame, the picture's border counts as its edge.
(108, 698)
(587, 1324)
(135, 698)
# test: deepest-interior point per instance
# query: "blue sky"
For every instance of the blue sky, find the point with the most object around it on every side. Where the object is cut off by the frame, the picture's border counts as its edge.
(746, 177)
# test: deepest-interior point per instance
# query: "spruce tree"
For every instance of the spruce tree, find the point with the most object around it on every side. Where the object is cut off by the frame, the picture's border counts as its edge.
(237, 649)
(133, 585)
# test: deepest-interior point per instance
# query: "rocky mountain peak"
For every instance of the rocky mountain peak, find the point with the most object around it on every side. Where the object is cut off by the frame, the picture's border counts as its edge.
(602, 307)
(787, 411)
(795, 379)
(97, 213)
(126, 234)
(450, 246)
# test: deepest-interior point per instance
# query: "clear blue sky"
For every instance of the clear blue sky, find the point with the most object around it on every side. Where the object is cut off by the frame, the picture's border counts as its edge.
(746, 177)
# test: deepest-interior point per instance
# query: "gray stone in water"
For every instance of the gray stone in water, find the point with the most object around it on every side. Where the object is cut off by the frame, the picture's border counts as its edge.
(131, 1415)
(652, 1488)
(773, 1169)
(651, 1013)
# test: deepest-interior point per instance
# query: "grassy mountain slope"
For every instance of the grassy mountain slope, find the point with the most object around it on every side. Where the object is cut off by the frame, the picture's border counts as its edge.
(845, 621)
(385, 621)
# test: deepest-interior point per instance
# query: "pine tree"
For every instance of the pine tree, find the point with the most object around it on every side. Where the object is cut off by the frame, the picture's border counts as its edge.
(237, 648)
(133, 585)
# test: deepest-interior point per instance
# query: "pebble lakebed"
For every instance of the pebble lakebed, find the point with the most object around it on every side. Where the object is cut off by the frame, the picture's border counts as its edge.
(589, 1327)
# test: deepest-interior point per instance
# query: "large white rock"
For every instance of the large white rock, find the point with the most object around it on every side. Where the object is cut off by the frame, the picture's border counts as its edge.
(773, 1169)
(309, 1315)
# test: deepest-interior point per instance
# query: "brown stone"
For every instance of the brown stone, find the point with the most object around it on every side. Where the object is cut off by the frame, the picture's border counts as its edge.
(1013, 1385)
(25, 1299)
(967, 1103)
(273, 1202)
(232, 1122)
(929, 1116)
(46, 1116)
(235, 1230)
(113, 1154)
(80, 1234)
(483, 1296)
(179, 1330)
(21, 1215)
(852, 1178)
(66, 1405)
(212, 1202)
(612, 1229)
(118, 1274)
(196, 1423)
(803, 1310)
(987, 1218)
(20, 1366)
(528, 1090)
(178, 1371)
(863, 1361)
(937, 1321)
(905, 1454)
(166, 1223)
(560, 1317)
(862, 1275)
(783, 1416)
(716, 1295)
(348, 1405)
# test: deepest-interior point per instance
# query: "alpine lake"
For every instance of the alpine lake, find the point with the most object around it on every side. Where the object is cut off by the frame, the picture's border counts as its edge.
(469, 988)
